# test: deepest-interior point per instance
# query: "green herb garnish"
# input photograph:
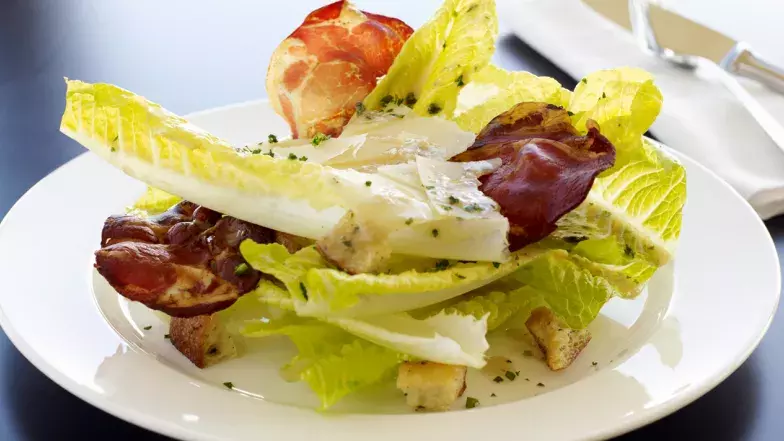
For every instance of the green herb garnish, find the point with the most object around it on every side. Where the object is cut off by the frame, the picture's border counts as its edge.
(409, 221)
(434, 232)
(433, 109)
(241, 269)
(272, 138)
(229, 385)
(360, 108)
(459, 81)
(498, 379)
(147, 328)
(292, 156)
(453, 200)
(368, 183)
(496, 264)
(410, 99)
(304, 290)
(510, 375)
(471, 402)
(319, 138)
(442, 265)
(303, 158)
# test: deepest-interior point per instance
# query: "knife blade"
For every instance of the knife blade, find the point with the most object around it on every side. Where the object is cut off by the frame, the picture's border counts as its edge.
(687, 37)
(682, 35)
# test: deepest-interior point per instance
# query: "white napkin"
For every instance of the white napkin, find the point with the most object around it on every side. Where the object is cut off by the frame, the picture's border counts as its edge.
(700, 116)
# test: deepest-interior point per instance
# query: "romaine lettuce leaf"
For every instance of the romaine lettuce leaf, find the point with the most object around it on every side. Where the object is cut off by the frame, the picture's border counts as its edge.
(440, 58)
(640, 200)
(331, 361)
(493, 91)
(446, 337)
(288, 194)
(553, 280)
(154, 201)
(318, 290)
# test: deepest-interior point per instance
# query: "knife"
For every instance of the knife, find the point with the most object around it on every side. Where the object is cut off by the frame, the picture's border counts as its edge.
(683, 36)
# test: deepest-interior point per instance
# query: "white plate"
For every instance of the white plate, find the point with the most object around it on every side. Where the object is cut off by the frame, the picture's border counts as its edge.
(699, 320)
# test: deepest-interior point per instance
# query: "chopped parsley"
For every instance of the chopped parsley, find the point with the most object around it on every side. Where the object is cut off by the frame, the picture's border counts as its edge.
(510, 375)
(114, 149)
(453, 200)
(539, 384)
(409, 221)
(360, 108)
(574, 239)
(368, 183)
(593, 363)
(304, 290)
(430, 187)
(604, 95)
(147, 328)
(303, 158)
(272, 138)
(442, 265)
(116, 138)
(492, 394)
(348, 244)
(570, 113)
(292, 156)
(319, 138)
(255, 151)
(460, 82)
(471, 402)
(229, 385)
(498, 379)
(410, 99)
(167, 336)
(386, 100)
(496, 264)
(584, 81)
(434, 109)
(241, 269)
(472, 208)
(270, 153)
(628, 251)
(434, 232)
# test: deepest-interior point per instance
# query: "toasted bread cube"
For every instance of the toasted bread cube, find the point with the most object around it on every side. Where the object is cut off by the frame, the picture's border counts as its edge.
(203, 339)
(431, 386)
(355, 247)
(560, 344)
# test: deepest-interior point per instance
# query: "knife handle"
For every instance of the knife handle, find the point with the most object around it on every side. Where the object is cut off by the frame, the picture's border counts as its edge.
(741, 60)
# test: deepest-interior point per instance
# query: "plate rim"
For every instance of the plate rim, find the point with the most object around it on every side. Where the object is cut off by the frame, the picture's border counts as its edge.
(161, 425)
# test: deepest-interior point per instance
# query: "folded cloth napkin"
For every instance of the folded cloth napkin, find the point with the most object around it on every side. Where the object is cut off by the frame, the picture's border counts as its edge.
(700, 116)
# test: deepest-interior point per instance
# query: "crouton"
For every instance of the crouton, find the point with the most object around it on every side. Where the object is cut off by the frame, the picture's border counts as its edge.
(560, 344)
(203, 339)
(355, 247)
(291, 242)
(431, 386)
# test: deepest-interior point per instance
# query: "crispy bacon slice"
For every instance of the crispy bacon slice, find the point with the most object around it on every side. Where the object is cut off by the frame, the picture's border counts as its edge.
(184, 262)
(546, 171)
(328, 64)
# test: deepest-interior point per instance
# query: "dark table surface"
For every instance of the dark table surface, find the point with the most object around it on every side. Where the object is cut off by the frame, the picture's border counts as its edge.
(195, 55)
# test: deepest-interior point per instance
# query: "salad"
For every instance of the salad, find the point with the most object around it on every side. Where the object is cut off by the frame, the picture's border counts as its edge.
(425, 199)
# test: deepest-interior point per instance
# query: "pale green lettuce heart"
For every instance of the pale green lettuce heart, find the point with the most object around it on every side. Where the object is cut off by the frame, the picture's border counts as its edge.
(493, 91)
(319, 290)
(331, 361)
(440, 58)
(282, 193)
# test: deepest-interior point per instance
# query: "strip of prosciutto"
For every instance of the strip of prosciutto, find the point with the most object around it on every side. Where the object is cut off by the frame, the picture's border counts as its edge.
(184, 262)
(319, 73)
(547, 167)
